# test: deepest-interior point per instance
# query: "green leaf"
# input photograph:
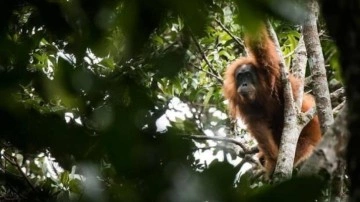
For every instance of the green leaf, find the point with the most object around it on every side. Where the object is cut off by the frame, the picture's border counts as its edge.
(64, 177)
(75, 185)
(208, 96)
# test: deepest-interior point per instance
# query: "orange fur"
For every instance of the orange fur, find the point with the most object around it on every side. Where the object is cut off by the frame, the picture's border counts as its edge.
(265, 117)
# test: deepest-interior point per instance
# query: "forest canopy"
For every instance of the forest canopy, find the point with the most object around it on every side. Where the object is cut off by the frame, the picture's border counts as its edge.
(121, 100)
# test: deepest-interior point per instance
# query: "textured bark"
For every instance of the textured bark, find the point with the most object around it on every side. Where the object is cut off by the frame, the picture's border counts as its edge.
(338, 94)
(317, 67)
(327, 155)
(290, 135)
(299, 67)
(289, 139)
(291, 130)
(342, 18)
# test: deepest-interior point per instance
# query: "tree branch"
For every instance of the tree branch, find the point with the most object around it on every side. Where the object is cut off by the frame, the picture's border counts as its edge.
(247, 159)
(317, 66)
(220, 80)
(204, 56)
(324, 160)
(337, 109)
(306, 117)
(338, 93)
(290, 134)
(13, 161)
(236, 39)
(223, 139)
(299, 67)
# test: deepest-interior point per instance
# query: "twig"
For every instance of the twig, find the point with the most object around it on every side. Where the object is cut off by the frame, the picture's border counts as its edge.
(252, 150)
(12, 160)
(216, 138)
(237, 40)
(337, 93)
(250, 159)
(209, 73)
(203, 55)
(223, 148)
(306, 117)
(198, 104)
(337, 109)
(242, 162)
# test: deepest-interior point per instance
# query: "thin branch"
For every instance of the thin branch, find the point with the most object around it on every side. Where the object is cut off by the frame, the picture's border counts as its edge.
(224, 148)
(338, 93)
(203, 55)
(254, 149)
(250, 159)
(240, 165)
(193, 104)
(251, 151)
(13, 161)
(289, 54)
(306, 117)
(298, 69)
(237, 40)
(216, 138)
(337, 109)
(219, 79)
(247, 159)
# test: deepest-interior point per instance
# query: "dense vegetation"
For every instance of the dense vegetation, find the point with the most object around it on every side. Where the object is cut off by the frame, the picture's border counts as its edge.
(107, 100)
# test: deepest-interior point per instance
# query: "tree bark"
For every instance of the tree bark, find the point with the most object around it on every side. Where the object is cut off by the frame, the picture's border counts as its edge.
(292, 128)
(325, 158)
(299, 67)
(317, 67)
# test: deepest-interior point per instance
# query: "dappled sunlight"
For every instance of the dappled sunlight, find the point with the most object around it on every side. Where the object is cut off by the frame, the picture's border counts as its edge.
(124, 100)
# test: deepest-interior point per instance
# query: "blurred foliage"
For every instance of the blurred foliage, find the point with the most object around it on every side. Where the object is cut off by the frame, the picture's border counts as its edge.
(84, 83)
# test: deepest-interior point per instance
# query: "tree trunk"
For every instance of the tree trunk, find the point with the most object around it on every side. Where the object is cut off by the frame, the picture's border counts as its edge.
(317, 67)
(342, 17)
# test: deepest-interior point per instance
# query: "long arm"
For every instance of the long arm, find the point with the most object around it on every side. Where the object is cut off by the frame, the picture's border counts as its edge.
(262, 48)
